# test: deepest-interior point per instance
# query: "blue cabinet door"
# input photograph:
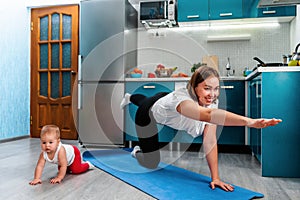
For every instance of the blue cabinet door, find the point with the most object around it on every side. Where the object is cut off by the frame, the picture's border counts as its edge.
(232, 98)
(280, 147)
(255, 112)
(276, 147)
(225, 9)
(147, 89)
(192, 10)
(277, 11)
(250, 9)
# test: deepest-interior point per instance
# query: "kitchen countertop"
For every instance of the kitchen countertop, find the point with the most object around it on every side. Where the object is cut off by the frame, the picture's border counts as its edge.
(252, 75)
(181, 79)
(271, 69)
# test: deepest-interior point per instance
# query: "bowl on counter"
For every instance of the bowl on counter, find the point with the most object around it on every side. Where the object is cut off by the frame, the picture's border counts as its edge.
(162, 73)
(135, 75)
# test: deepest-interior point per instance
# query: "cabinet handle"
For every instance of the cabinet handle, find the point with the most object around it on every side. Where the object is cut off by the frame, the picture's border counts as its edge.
(225, 14)
(268, 12)
(227, 87)
(192, 16)
(257, 86)
(149, 86)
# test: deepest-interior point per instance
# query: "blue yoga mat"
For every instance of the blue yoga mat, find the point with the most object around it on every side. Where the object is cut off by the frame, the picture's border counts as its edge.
(165, 182)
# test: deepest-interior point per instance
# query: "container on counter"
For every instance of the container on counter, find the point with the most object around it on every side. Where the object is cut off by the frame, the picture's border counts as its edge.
(246, 71)
(284, 59)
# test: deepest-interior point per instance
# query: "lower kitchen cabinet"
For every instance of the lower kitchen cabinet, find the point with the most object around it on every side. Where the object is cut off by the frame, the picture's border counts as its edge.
(276, 95)
(232, 98)
(148, 89)
(255, 112)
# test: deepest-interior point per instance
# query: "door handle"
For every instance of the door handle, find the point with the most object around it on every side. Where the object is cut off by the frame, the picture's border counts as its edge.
(225, 14)
(73, 72)
(257, 87)
(227, 87)
(192, 16)
(268, 12)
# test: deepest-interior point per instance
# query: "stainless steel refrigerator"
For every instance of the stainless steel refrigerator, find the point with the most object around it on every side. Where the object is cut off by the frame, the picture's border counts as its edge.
(108, 45)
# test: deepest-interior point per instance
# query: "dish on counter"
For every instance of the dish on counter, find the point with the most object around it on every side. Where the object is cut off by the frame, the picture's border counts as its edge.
(135, 75)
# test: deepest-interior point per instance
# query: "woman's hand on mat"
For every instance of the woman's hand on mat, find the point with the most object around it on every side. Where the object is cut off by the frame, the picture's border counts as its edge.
(225, 186)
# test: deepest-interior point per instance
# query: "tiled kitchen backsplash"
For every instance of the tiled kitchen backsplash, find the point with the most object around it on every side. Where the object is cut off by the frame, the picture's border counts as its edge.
(182, 47)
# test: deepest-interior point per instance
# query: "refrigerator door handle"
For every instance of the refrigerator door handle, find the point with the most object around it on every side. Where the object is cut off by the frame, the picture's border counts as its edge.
(79, 67)
(79, 83)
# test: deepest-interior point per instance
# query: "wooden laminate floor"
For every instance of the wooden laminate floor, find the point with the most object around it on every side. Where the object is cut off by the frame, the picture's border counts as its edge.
(18, 159)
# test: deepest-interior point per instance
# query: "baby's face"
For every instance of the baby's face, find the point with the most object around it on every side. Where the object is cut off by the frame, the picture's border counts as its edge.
(49, 142)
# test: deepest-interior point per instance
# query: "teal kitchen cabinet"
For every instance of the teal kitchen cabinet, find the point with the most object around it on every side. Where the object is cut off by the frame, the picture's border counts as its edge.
(225, 9)
(251, 10)
(275, 95)
(280, 11)
(255, 112)
(192, 10)
(203, 10)
(147, 89)
(232, 98)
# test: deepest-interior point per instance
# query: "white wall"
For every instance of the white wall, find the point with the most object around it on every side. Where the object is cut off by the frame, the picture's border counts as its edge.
(15, 65)
(183, 48)
(295, 31)
(14, 69)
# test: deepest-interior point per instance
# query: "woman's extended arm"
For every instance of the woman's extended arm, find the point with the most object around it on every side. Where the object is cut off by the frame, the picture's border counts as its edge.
(221, 117)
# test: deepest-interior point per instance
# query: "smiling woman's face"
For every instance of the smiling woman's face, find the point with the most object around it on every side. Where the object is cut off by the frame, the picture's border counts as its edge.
(208, 91)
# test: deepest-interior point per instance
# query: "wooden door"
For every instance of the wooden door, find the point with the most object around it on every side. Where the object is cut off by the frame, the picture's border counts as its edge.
(54, 65)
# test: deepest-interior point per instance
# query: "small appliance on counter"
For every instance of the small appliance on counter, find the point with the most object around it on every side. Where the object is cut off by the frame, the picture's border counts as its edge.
(263, 64)
(295, 58)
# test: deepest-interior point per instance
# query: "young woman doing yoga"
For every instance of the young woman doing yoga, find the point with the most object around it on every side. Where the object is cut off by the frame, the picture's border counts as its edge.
(192, 109)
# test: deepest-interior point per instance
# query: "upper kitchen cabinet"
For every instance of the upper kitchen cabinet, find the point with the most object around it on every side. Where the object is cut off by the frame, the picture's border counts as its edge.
(192, 10)
(281, 11)
(225, 9)
(195, 10)
(252, 11)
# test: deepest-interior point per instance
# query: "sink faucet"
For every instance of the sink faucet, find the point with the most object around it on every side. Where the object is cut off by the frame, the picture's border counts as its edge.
(228, 67)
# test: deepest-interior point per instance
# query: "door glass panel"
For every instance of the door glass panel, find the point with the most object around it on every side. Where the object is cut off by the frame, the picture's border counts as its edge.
(55, 56)
(44, 84)
(44, 28)
(55, 26)
(54, 85)
(44, 56)
(66, 59)
(67, 26)
(66, 85)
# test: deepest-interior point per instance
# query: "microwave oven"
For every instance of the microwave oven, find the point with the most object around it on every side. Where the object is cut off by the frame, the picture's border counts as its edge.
(157, 10)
